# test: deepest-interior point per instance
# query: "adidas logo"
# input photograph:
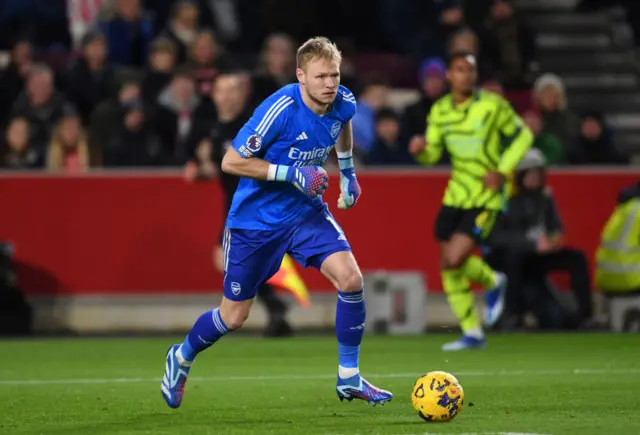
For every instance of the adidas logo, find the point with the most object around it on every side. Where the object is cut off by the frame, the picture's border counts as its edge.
(302, 136)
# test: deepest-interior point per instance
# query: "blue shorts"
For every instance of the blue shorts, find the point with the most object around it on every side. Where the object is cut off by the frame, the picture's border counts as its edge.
(251, 257)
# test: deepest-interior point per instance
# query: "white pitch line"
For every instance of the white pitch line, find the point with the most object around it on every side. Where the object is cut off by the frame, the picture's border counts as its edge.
(88, 381)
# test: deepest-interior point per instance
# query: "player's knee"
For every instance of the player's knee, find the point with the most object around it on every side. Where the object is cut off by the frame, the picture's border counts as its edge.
(350, 280)
(234, 315)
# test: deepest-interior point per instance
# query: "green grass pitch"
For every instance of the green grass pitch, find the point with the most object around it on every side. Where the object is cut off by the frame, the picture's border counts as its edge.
(585, 384)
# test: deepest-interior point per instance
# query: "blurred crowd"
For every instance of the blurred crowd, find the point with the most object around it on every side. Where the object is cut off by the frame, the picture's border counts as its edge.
(132, 83)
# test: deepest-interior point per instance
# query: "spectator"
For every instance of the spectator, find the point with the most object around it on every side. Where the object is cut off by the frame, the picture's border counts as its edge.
(551, 100)
(206, 61)
(182, 28)
(162, 62)
(547, 143)
(373, 97)
(450, 18)
(128, 33)
(135, 144)
(175, 118)
(408, 27)
(69, 150)
(40, 104)
(82, 16)
(510, 44)
(493, 85)
(107, 118)
(276, 66)
(433, 82)
(13, 78)
(388, 149)
(90, 79)
(348, 74)
(16, 152)
(594, 144)
(465, 40)
(528, 245)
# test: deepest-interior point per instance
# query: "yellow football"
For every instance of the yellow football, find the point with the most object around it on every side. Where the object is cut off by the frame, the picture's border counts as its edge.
(437, 396)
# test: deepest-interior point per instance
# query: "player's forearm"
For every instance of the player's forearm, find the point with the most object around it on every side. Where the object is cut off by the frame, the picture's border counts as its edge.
(234, 164)
(516, 151)
(344, 144)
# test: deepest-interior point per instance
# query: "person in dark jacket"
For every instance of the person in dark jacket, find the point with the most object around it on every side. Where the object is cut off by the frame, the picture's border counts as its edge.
(433, 83)
(13, 77)
(175, 116)
(90, 79)
(136, 144)
(594, 144)
(528, 245)
(182, 28)
(388, 149)
(162, 63)
(128, 32)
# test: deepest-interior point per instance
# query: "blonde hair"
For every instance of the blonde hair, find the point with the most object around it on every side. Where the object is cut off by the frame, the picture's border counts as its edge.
(56, 154)
(318, 47)
(554, 81)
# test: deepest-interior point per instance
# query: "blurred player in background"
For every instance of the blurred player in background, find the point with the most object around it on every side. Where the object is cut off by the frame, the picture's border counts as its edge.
(486, 140)
(278, 209)
(230, 96)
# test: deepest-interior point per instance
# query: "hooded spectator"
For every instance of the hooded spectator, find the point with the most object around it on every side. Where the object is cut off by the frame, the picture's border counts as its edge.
(433, 84)
(107, 118)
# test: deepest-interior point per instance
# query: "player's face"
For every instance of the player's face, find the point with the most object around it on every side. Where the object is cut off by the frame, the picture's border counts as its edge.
(462, 75)
(320, 78)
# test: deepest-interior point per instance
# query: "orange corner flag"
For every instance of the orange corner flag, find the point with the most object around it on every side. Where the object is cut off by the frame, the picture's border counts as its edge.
(287, 278)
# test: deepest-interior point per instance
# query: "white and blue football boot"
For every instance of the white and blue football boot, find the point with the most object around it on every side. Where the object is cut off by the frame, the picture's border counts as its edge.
(174, 379)
(494, 300)
(465, 343)
(356, 387)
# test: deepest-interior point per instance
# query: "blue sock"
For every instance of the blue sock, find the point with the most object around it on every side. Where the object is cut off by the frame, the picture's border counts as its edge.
(208, 329)
(350, 318)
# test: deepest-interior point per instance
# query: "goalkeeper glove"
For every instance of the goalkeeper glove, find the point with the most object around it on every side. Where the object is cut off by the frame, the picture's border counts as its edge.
(349, 187)
(311, 180)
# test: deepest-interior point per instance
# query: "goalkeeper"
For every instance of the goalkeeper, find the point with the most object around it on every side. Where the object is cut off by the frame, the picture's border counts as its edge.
(473, 125)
